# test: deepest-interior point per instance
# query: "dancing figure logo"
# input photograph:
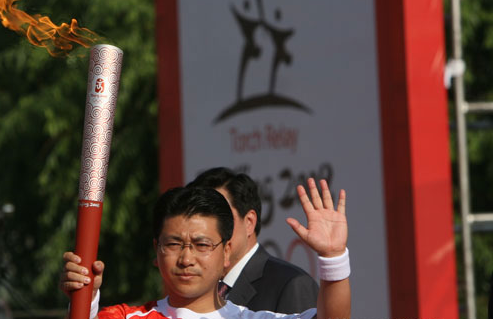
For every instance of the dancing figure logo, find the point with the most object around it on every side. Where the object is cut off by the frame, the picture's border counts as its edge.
(251, 51)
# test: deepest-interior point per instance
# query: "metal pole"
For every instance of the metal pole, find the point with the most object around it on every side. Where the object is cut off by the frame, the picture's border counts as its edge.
(460, 112)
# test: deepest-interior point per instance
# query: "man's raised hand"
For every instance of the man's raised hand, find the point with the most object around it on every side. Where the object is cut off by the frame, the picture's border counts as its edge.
(326, 230)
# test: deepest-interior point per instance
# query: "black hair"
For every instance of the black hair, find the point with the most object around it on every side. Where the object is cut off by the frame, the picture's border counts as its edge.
(242, 189)
(190, 201)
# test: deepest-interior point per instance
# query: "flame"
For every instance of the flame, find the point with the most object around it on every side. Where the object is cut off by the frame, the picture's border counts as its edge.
(42, 32)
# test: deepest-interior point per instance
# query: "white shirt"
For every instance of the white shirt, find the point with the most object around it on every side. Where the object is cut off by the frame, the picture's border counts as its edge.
(161, 309)
(235, 272)
(229, 311)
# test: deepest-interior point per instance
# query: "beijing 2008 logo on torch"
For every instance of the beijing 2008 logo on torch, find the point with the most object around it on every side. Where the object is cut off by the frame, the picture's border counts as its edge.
(99, 88)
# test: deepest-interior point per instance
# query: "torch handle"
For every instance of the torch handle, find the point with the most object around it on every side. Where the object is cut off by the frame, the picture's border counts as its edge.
(86, 247)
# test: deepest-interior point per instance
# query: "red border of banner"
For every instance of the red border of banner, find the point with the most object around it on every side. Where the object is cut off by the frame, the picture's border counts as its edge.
(170, 122)
(416, 157)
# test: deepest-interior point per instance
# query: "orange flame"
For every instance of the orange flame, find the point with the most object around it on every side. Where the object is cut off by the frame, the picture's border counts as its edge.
(42, 32)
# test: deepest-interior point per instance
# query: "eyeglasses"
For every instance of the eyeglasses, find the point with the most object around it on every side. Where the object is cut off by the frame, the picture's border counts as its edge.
(199, 248)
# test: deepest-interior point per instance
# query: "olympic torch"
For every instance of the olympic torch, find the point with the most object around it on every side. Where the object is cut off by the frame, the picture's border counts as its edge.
(102, 91)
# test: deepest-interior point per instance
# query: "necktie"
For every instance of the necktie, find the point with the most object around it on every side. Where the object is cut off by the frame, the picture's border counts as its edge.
(223, 289)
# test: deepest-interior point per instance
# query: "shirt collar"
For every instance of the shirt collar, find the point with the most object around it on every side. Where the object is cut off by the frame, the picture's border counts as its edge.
(228, 311)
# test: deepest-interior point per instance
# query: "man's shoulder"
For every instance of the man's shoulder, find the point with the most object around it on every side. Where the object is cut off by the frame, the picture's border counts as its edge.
(283, 287)
(285, 267)
(278, 270)
(231, 310)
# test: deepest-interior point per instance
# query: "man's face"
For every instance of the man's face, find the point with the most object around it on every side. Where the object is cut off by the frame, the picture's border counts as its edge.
(239, 240)
(190, 276)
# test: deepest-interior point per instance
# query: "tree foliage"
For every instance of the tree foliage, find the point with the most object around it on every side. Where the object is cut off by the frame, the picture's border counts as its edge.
(42, 103)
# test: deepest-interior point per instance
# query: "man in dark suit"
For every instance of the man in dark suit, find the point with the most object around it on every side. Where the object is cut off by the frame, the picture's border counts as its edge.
(256, 279)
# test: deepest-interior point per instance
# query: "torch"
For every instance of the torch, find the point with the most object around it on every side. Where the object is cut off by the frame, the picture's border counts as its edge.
(102, 91)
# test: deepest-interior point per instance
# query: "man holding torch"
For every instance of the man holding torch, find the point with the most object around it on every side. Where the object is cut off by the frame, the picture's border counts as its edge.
(192, 232)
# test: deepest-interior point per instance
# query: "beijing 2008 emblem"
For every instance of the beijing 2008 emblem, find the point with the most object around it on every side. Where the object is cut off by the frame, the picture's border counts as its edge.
(99, 88)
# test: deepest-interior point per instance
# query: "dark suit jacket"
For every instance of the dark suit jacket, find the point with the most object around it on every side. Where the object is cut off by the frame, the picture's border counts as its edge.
(269, 283)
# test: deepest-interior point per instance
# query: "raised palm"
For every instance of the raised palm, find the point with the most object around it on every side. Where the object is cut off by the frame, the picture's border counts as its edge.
(326, 230)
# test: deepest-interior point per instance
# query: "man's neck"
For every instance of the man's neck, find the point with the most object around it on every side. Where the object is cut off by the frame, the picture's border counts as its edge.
(252, 241)
(234, 272)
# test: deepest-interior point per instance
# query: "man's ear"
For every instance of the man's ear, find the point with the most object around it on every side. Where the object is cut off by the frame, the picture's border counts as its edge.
(250, 222)
(227, 254)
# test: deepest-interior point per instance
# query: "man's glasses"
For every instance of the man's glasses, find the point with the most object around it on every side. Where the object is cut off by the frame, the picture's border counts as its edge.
(199, 248)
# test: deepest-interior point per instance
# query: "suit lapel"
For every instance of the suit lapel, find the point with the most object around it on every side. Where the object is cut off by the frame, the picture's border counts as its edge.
(243, 291)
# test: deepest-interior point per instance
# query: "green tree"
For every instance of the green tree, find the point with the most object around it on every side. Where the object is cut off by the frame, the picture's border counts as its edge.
(42, 102)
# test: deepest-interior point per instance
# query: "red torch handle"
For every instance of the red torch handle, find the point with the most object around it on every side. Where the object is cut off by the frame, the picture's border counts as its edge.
(86, 247)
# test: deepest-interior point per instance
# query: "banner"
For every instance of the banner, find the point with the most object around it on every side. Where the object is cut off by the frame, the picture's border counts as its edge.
(283, 91)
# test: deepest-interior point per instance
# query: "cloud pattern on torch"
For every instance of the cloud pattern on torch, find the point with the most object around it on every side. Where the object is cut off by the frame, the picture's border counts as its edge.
(102, 92)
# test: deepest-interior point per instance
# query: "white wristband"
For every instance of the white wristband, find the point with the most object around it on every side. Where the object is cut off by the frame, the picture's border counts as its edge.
(94, 306)
(334, 268)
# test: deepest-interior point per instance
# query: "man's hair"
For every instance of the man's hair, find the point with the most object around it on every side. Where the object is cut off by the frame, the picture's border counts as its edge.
(191, 201)
(242, 189)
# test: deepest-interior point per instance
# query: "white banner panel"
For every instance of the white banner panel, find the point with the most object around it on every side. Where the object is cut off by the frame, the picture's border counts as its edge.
(284, 90)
